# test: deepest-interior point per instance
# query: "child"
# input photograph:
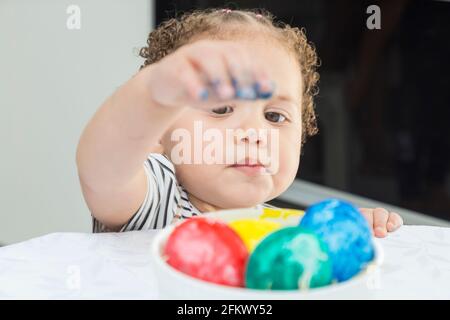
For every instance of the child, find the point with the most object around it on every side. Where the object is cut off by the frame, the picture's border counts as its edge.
(229, 71)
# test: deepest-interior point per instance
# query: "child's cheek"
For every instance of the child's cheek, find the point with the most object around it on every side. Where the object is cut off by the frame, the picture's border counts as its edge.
(289, 159)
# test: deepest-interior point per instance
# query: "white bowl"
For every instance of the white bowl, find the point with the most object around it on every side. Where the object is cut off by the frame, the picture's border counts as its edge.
(173, 284)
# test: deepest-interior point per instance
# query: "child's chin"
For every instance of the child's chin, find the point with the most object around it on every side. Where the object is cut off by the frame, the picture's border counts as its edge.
(244, 198)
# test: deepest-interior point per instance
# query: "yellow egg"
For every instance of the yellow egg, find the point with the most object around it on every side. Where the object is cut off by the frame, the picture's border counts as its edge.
(281, 213)
(252, 231)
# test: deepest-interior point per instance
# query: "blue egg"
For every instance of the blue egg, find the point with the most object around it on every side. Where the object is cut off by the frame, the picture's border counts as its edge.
(346, 233)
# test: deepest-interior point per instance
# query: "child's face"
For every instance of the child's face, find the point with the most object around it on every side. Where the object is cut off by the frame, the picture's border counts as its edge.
(278, 144)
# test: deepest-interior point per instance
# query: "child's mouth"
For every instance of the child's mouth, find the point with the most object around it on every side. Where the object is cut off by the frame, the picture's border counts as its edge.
(251, 168)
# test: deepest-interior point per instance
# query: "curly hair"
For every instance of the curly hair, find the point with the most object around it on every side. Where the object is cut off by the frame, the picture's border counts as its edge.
(176, 32)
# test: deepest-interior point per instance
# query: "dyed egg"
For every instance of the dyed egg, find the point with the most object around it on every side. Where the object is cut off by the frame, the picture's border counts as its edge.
(283, 213)
(209, 250)
(288, 259)
(346, 233)
(252, 231)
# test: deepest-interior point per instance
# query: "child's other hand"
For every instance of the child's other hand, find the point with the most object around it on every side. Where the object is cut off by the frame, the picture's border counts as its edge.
(205, 71)
(382, 221)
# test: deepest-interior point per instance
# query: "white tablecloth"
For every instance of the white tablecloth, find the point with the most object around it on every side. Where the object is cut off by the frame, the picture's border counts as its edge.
(117, 266)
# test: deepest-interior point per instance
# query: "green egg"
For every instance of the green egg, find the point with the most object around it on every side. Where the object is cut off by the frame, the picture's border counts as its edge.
(288, 259)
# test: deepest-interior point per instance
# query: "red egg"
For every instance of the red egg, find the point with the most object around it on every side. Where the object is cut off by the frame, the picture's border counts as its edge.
(209, 250)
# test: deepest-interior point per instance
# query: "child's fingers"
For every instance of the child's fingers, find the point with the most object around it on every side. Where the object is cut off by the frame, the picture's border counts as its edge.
(241, 72)
(367, 213)
(230, 70)
(194, 87)
(265, 85)
(380, 218)
(394, 222)
(258, 73)
(213, 67)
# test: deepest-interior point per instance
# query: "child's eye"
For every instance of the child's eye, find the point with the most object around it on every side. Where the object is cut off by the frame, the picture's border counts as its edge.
(222, 110)
(275, 117)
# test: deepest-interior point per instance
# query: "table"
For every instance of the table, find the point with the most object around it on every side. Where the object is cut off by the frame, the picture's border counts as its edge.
(117, 266)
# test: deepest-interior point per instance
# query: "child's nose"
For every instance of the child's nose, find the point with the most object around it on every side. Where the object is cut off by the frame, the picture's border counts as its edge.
(251, 136)
(252, 127)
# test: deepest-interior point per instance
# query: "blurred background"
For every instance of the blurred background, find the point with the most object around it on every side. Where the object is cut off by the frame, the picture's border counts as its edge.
(383, 104)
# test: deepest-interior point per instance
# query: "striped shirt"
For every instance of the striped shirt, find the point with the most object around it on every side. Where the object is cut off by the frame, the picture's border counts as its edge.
(166, 200)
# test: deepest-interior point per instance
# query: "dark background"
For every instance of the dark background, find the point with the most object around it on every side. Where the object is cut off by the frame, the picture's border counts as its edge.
(384, 96)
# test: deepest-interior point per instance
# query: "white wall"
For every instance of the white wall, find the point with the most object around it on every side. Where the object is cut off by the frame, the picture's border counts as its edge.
(52, 80)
